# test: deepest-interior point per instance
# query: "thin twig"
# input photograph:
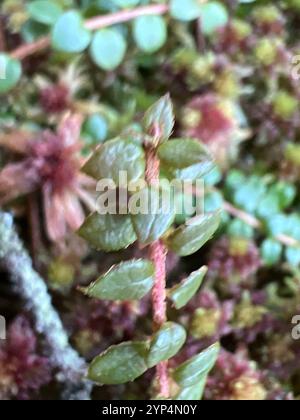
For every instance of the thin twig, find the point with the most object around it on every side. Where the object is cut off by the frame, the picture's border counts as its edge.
(94, 24)
(256, 224)
(251, 221)
(15, 259)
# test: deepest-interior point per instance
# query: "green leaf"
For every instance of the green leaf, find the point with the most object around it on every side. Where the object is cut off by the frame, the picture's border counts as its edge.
(31, 31)
(119, 364)
(292, 255)
(235, 179)
(250, 193)
(108, 232)
(69, 34)
(166, 343)
(10, 72)
(150, 33)
(192, 393)
(160, 119)
(124, 4)
(213, 201)
(195, 369)
(185, 10)
(188, 239)
(240, 229)
(96, 126)
(184, 159)
(285, 192)
(213, 15)
(108, 49)
(44, 11)
(182, 293)
(130, 280)
(158, 215)
(120, 154)
(271, 251)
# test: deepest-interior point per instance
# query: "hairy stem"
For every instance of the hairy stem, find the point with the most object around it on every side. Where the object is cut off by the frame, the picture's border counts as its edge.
(93, 24)
(15, 259)
(158, 255)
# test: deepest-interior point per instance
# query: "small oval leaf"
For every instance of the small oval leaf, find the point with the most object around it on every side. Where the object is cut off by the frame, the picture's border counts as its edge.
(44, 11)
(182, 293)
(195, 369)
(119, 364)
(108, 49)
(114, 156)
(185, 10)
(189, 238)
(156, 215)
(150, 33)
(10, 72)
(185, 159)
(166, 343)
(159, 119)
(108, 232)
(130, 280)
(213, 16)
(69, 34)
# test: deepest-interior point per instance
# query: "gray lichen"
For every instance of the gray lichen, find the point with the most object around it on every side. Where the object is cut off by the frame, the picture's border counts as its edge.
(16, 260)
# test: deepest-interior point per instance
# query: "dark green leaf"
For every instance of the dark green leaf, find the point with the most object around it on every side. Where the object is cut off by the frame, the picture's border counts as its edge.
(119, 364)
(130, 280)
(182, 293)
(44, 11)
(196, 369)
(69, 34)
(150, 33)
(108, 232)
(192, 393)
(166, 343)
(185, 159)
(156, 217)
(108, 49)
(120, 154)
(188, 239)
(285, 192)
(159, 119)
(31, 31)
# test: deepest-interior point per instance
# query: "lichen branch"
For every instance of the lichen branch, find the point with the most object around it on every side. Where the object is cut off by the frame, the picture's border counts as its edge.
(16, 260)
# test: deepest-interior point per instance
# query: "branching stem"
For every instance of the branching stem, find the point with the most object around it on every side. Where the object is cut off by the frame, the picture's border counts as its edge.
(93, 24)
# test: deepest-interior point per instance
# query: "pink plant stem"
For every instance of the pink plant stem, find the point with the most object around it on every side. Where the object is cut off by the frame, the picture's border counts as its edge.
(93, 24)
(158, 255)
(125, 16)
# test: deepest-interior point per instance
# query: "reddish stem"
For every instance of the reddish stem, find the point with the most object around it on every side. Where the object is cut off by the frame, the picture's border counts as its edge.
(158, 255)
(125, 16)
(93, 24)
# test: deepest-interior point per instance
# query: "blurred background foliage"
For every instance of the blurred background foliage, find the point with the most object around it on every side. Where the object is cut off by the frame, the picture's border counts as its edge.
(232, 69)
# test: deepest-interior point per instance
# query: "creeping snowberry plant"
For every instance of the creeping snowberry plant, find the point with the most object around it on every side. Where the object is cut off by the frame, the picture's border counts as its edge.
(149, 155)
(70, 31)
